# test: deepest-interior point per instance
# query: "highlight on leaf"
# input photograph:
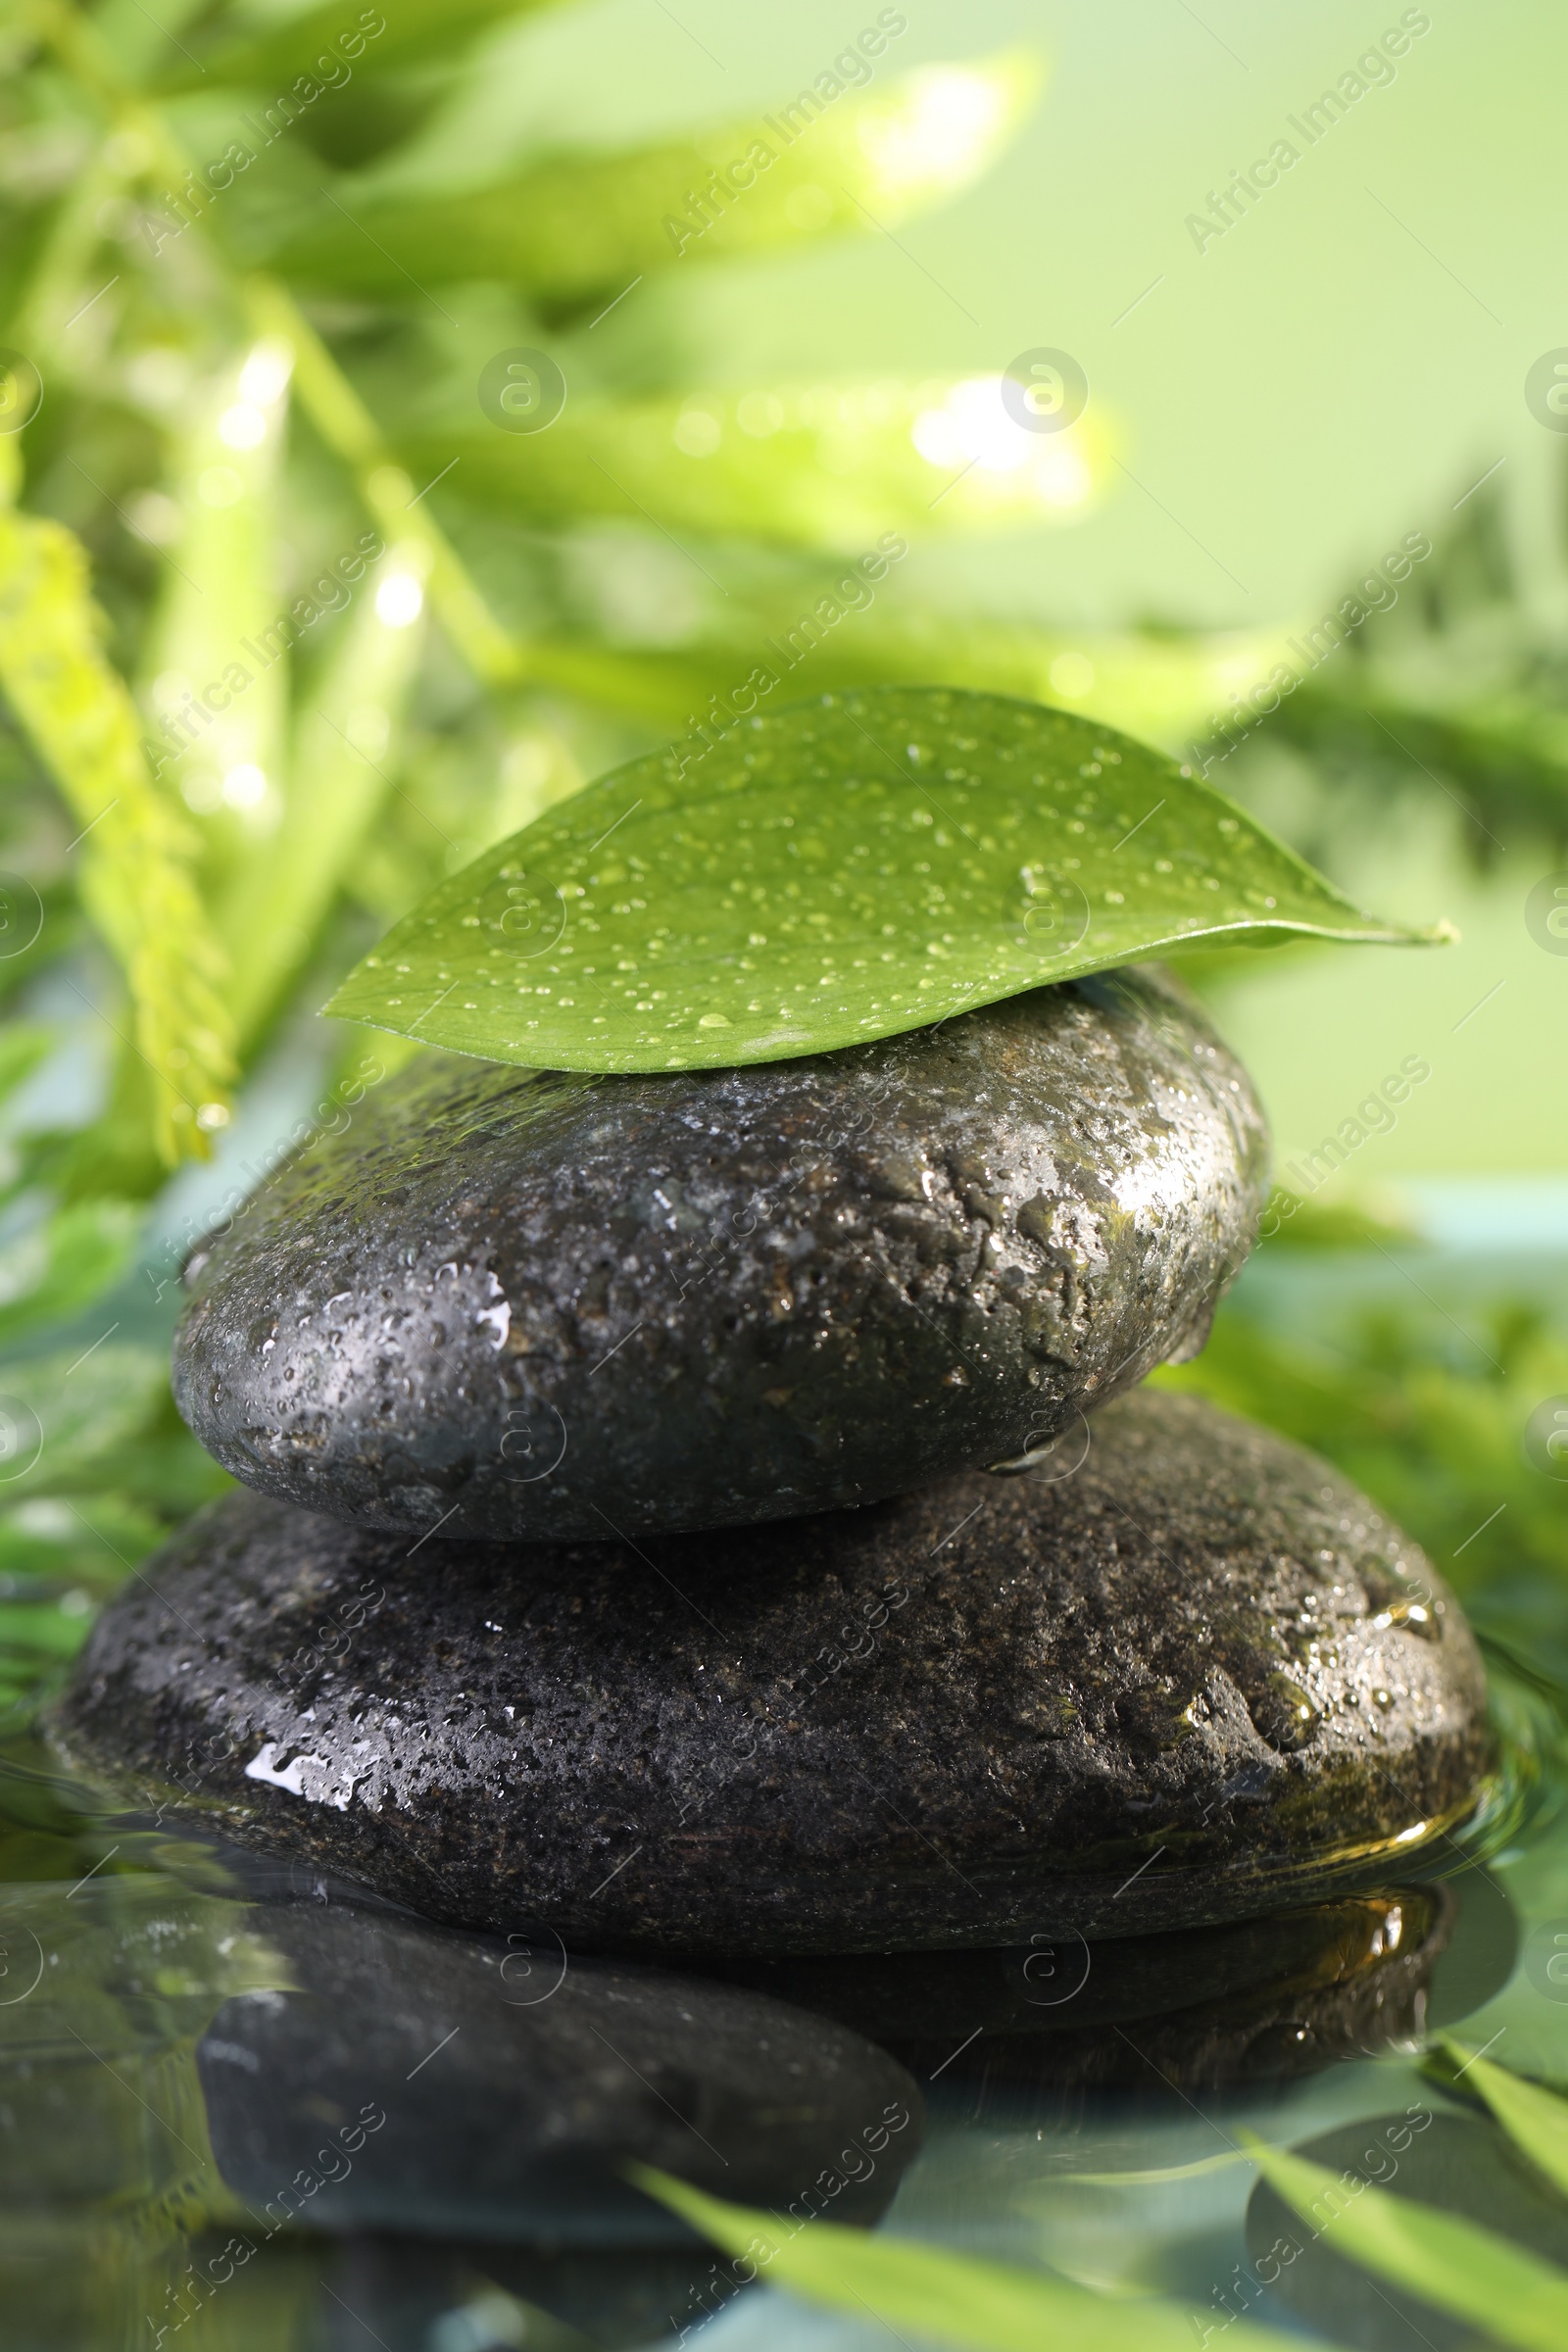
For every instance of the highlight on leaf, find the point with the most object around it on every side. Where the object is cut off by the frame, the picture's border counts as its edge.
(828, 466)
(214, 668)
(345, 735)
(841, 870)
(570, 228)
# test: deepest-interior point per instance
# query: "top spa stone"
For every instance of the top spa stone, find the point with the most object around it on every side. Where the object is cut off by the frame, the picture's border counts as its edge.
(510, 1304)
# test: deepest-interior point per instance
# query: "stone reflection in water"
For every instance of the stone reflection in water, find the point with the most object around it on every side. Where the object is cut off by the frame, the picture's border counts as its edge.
(419, 2080)
(1258, 2000)
(197, 2092)
(104, 2155)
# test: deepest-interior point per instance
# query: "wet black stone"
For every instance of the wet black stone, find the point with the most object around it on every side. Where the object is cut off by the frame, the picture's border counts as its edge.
(1198, 1679)
(555, 1305)
(451, 2086)
(1459, 2165)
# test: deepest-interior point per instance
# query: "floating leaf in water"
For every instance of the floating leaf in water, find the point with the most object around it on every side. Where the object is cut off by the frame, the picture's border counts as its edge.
(574, 226)
(834, 466)
(1535, 2120)
(951, 2298)
(1474, 2275)
(843, 870)
(1156, 2176)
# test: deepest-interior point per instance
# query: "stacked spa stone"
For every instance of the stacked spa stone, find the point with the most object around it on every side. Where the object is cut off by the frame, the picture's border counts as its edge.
(705, 1515)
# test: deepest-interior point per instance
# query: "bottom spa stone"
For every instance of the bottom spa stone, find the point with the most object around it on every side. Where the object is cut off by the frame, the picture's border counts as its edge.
(1180, 1672)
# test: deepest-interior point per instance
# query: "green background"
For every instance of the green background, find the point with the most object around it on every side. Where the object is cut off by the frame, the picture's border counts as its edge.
(1292, 401)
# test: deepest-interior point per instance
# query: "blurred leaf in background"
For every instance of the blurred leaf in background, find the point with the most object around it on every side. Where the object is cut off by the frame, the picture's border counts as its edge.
(1430, 1404)
(295, 622)
(292, 623)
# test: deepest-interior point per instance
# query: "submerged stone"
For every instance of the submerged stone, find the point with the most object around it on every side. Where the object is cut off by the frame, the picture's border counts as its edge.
(502, 1303)
(1258, 2000)
(413, 2080)
(1199, 1678)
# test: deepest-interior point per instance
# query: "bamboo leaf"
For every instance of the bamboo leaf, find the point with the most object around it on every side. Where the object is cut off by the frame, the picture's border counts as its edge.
(1155, 687)
(1449, 2262)
(835, 466)
(64, 1263)
(137, 852)
(1535, 2119)
(22, 1046)
(328, 42)
(951, 2298)
(351, 433)
(344, 740)
(84, 1410)
(217, 706)
(1452, 681)
(578, 226)
(841, 870)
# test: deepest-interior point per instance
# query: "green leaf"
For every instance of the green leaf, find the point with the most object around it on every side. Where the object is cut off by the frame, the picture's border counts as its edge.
(323, 37)
(1156, 2176)
(953, 2298)
(216, 705)
(842, 870)
(23, 1046)
(1457, 688)
(828, 466)
(1156, 687)
(64, 1264)
(1421, 1420)
(74, 1416)
(344, 742)
(1449, 2262)
(1535, 2119)
(578, 226)
(138, 853)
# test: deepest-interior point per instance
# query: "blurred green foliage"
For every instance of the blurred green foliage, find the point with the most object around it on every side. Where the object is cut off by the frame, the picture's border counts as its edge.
(1426, 1404)
(291, 629)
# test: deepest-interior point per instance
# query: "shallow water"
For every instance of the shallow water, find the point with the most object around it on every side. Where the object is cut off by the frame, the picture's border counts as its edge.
(128, 2217)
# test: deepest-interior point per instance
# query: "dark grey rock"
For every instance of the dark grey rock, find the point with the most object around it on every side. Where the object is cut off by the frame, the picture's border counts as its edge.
(451, 2086)
(1200, 1678)
(1204, 2008)
(511, 1305)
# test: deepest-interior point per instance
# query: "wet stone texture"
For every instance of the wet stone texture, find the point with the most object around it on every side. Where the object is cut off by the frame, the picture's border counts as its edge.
(514, 1305)
(413, 2080)
(1196, 1678)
